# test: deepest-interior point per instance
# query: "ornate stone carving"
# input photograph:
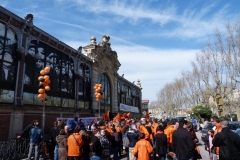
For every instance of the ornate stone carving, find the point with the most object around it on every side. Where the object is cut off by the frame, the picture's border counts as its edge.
(29, 19)
(93, 40)
(139, 84)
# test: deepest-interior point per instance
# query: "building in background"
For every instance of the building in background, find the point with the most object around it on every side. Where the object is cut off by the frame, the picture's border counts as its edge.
(25, 49)
(145, 105)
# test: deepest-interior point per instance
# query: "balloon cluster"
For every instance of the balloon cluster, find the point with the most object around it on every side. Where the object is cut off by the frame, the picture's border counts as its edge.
(98, 91)
(44, 82)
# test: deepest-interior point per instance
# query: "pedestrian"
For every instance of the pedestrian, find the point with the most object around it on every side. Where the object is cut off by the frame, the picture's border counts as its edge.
(85, 147)
(132, 136)
(169, 132)
(143, 148)
(53, 133)
(228, 142)
(25, 132)
(74, 143)
(95, 146)
(161, 144)
(196, 152)
(215, 121)
(114, 143)
(36, 137)
(105, 145)
(208, 144)
(182, 144)
(61, 141)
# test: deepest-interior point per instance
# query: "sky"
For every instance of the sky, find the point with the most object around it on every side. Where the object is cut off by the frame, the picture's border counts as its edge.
(155, 39)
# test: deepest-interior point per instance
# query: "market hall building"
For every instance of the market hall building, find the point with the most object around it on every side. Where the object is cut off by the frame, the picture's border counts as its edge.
(25, 50)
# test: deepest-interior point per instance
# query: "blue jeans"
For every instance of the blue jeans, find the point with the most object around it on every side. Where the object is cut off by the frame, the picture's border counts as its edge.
(31, 146)
(95, 158)
(115, 153)
(56, 153)
(161, 157)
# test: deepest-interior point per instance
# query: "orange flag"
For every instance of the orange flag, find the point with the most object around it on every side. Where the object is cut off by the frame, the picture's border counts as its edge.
(147, 116)
(124, 116)
(129, 115)
(118, 117)
(106, 116)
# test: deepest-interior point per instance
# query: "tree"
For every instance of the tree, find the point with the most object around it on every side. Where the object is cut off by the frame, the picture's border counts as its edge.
(202, 112)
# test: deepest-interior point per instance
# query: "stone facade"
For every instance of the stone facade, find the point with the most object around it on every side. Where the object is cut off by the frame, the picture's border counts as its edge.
(99, 60)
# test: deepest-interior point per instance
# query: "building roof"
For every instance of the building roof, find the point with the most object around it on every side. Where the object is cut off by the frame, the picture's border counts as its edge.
(145, 101)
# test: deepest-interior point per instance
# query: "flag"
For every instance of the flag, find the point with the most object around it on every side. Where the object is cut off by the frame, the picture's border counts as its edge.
(147, 115)
(129, 115)
(106, 116)
(124, 116)
(117, 118)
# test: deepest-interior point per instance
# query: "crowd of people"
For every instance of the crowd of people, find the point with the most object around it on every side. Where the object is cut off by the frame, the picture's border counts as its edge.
(143, 139)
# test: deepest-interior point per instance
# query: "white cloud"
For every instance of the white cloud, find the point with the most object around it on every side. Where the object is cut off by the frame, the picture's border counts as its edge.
(154, 67)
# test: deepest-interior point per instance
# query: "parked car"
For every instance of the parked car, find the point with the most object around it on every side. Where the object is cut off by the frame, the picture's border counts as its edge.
(177, 119)
(234, 125)
(238, 131)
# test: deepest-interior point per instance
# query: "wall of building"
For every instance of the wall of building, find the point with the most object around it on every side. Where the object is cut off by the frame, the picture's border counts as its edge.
(19, 104)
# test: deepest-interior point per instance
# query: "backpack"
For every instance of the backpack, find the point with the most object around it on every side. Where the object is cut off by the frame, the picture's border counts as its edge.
(125, 142)
(149, 129)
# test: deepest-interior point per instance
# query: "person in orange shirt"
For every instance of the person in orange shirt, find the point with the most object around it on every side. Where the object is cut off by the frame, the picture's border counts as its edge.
(154, 127)
(108, 128)
(169, 132)
(141, 127)
(149, 128)
(74, 143)
(143, 148)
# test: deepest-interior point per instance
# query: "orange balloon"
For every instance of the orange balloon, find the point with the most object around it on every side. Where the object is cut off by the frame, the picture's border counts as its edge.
(42, 72)
(47, 69)
(40, 77)
(40, 90)
(47, 88)
(99, 85)
(97, 99)
(40, 95)
(46, 77)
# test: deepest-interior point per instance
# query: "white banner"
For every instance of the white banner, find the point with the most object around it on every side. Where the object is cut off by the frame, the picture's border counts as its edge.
(124, 107)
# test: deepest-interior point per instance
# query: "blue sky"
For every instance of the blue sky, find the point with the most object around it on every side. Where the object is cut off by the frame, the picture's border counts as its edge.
(155, 39)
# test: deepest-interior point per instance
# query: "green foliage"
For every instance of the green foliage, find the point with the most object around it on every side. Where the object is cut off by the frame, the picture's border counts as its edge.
(202, 112)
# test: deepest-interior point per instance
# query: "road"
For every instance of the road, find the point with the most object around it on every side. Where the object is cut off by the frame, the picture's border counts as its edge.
(201, 146)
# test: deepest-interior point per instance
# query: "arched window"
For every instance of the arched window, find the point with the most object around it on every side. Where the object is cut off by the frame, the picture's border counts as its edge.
(129, 96)
(84, 90)
(106, 89)
(8, 46)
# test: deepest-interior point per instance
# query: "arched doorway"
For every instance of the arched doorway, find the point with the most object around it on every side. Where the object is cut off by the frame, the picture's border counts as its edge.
(105, 103)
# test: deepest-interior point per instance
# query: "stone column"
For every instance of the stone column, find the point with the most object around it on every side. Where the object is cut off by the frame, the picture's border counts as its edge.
(114, 100)
(16, 123)
(95, 76)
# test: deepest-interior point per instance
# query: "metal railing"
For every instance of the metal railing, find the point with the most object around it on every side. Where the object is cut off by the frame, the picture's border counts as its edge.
(18, 148)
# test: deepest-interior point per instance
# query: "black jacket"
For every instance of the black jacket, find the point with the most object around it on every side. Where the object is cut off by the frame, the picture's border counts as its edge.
(229, 143)
(182, 144)
(95, 146)
(53, 133)
(161, 143)
(133, 138)
(25, 132)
